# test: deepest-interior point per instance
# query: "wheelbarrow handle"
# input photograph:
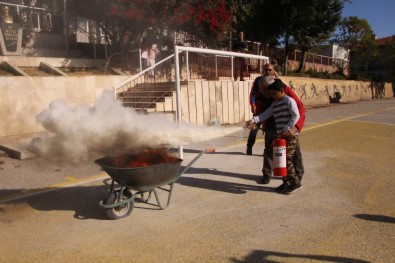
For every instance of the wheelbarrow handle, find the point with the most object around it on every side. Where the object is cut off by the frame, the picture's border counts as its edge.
(192, 162)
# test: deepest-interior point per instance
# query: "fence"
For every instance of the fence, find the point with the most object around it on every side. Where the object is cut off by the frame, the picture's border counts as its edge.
(319, 59)
(40, 17)
(191, 64)
(226, 55)
(187, 63)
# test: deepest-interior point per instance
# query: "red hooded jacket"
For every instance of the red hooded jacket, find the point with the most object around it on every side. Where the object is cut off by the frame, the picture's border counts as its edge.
(262, 103)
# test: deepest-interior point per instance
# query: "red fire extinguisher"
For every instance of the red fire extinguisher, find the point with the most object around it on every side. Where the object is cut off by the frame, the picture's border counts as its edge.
(279, 157)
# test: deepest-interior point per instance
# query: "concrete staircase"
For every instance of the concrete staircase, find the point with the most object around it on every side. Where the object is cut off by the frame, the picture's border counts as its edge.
(151, 97)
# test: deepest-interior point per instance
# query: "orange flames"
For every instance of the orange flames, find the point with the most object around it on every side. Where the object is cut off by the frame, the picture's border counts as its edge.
(147, 157)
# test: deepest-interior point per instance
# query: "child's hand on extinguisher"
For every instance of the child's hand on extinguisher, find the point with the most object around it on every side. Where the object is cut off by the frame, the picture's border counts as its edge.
(282, 134)
(286, 134)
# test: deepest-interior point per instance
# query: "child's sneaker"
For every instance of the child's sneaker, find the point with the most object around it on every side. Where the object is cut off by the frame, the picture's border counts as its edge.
(292, 188)
(281, 188)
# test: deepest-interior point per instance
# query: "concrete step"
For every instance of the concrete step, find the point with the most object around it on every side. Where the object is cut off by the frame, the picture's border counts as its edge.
(53, 53)
(145, 110)
(144, 99)
(147, 94)
(144, 104)
(149, 97)
(160, 84)
(154, 89)
(16, 146)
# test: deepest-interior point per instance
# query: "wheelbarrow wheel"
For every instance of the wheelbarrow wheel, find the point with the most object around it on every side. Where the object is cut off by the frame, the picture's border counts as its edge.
(121, 211)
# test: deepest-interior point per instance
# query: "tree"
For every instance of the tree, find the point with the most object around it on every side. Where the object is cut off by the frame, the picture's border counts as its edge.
(265, 22)
(314, 23)
(205, 19)
(356, 35)
(303, 23)
(392, 63)
(268, 23)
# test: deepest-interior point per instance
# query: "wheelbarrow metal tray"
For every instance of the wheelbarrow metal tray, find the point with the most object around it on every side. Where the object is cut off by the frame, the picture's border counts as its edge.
(142, 179)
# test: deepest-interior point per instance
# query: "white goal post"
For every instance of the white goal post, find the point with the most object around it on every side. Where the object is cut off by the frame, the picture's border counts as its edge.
(178, 49)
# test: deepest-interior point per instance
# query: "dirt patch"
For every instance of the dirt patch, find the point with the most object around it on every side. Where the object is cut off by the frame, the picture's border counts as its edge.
(32, 71)
(35, 71)
(5, 73)
(86, 71)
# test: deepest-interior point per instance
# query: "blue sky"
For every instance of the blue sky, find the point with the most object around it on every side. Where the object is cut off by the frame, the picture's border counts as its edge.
(379, 13)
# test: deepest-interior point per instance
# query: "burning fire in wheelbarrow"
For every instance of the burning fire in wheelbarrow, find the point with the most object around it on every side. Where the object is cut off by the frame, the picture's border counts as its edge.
(78, 133)
(145, 172)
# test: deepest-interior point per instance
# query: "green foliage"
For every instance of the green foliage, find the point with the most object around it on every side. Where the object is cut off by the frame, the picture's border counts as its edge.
(265, 22)
(302, 23)
(207, 20)
(312, 73)
(357, 35)
(354, 33)
(313, 23)
(241, 11)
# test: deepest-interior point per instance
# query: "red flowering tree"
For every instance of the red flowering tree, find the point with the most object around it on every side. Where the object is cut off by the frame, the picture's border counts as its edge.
(206, 19)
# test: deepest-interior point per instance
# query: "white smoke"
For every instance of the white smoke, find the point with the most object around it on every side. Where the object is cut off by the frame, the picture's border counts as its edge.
(109, 128)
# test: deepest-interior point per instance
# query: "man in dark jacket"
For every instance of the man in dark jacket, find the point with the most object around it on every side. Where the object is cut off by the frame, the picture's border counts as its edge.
(268, 70)
(239, 46)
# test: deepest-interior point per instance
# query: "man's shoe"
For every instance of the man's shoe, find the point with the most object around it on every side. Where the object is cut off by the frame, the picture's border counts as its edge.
(265, 179)
(281, 188)
(292, 188)
(249, 151)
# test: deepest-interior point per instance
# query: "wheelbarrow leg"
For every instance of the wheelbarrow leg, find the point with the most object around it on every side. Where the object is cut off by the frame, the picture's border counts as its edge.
(168, 198)
(142, 196)
(172, 184)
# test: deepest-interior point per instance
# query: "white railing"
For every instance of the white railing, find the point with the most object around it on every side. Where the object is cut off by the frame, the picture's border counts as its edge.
(177, 50)
(187, 50)
(320, 59)
(217, 54)
(36, 12)
(121, 85)
(229, 54)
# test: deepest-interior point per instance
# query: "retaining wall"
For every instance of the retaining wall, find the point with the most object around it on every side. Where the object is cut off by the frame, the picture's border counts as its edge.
(203, 102)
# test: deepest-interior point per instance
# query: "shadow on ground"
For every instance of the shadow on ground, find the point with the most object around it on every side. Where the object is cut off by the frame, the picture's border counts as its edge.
(275, 257)
(377, 218)
(84, 200)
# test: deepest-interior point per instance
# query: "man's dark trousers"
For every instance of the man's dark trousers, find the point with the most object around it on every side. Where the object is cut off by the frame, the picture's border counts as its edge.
(252, 136)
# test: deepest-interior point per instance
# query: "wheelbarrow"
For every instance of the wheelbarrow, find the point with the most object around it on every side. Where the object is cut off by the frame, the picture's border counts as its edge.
(148, 179)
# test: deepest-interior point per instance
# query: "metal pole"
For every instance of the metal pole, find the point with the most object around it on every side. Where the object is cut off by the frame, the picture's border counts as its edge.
(140, 60)
(216, 66)
(178, 95)
(187, 64)
(66, 26)
(115, 93)
(94, 49)
(231, 67)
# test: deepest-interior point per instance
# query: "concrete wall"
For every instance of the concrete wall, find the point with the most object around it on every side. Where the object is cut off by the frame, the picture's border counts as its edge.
(315, 92)
(203, 102)
(206, 102)
(22, 98)
(54, 62)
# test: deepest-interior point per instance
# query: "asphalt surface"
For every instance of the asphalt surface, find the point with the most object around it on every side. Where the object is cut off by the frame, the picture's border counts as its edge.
(218, 212)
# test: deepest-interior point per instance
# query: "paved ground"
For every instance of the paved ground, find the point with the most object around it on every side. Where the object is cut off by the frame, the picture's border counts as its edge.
(218, 213)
